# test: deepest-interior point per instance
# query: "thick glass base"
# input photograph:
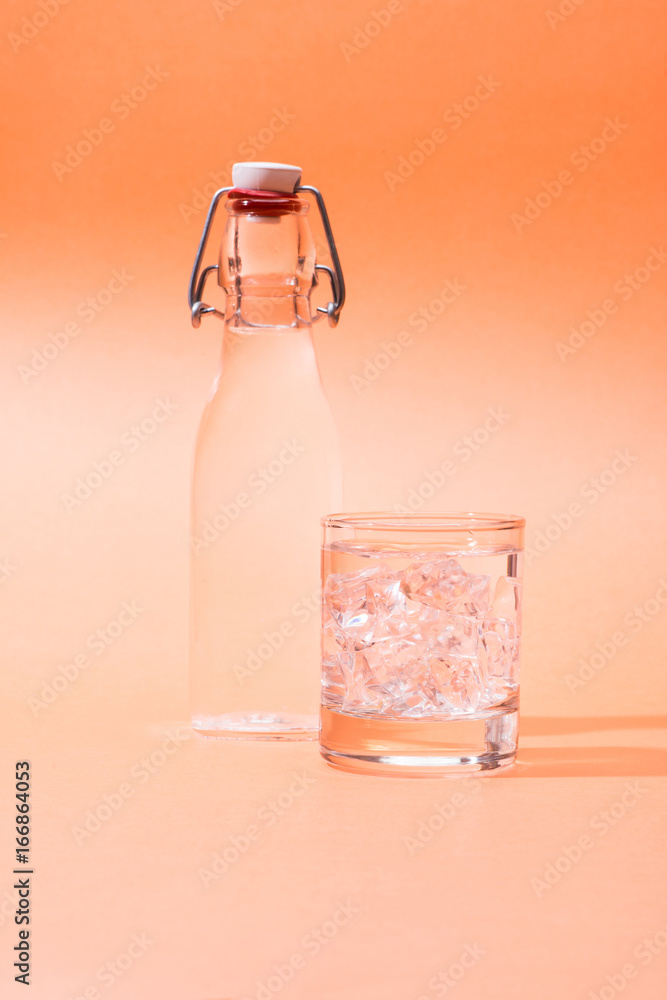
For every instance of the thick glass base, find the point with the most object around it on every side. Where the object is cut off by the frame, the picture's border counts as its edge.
(257, 726)
(420, 747)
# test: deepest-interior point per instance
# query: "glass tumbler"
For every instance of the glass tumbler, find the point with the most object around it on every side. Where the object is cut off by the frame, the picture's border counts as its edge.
(421, 632)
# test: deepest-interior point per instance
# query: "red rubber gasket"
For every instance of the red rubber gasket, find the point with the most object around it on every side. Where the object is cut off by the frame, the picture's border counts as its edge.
(263, 202)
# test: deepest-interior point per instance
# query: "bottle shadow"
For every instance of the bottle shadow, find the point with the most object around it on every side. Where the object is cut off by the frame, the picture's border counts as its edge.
(587, 761)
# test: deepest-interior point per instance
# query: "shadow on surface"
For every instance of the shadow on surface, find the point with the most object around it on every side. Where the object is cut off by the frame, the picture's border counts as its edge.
(544, 725)
(587, 761)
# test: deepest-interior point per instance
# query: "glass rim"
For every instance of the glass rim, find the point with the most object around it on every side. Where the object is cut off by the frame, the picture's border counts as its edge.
(428, 521)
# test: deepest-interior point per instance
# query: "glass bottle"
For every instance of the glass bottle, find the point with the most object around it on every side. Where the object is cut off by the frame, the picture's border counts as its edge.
(266, 468)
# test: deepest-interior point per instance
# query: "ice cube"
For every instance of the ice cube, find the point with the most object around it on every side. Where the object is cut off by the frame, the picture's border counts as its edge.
(347, 591)
(426, 643)
(499, 651)
(457, 683)
(444, 584)
(506, 602)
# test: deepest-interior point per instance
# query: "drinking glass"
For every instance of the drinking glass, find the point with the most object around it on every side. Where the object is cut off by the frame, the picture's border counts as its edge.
(421, 631)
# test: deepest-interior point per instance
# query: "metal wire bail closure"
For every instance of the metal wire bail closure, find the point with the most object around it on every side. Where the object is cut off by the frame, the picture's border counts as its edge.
(198, 278)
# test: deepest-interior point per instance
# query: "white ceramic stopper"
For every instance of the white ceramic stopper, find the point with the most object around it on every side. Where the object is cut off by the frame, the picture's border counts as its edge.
(254, 176)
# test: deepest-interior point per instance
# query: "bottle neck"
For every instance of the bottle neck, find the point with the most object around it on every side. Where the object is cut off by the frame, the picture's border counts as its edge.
(267, 269)
(264, 310)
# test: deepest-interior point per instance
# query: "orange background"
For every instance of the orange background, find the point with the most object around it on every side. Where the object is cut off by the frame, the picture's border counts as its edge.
(359, 105)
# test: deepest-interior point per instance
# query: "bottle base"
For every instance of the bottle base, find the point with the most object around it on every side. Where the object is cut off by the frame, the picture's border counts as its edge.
(257, 726)
(419, 748)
